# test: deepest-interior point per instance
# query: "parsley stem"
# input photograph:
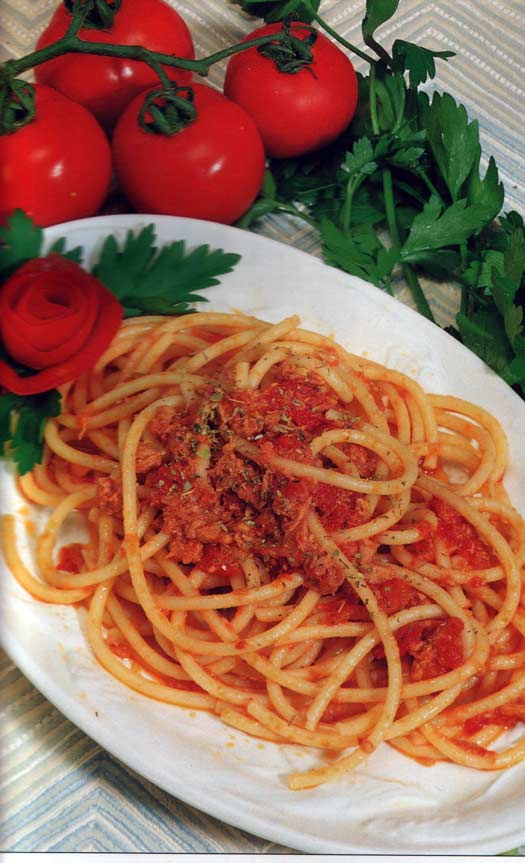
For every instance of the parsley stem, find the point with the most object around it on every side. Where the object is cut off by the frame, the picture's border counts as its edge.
(410, 191)
(279, 207)
(409, 274)
(422, 174)
(351, 189)
(374, 120)
(464, 308)
(295, 211)
(342, 41)
(380, 51)
(417, 293)
(390, 207)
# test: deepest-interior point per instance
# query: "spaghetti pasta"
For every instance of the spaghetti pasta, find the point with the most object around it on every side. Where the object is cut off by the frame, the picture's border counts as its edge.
(293, 537)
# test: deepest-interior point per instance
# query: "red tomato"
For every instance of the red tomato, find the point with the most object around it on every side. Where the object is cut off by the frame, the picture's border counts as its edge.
(105, 85)
(58, 166)
(211, 169)
(294, 112)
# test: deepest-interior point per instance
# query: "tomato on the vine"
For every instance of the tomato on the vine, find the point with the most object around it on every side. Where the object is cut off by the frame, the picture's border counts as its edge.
(58, 166)
(212, 168)
(298, 111)
(105, 85)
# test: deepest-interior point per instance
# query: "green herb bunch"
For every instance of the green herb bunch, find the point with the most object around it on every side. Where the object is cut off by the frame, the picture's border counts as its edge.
(402, 192)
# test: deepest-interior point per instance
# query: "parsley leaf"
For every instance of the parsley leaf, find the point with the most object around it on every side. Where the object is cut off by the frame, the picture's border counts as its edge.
(453, 140)
(488, 192)
(494, 326)
(143, 278)
(20, 240)
(416, 60)
(405, 157)
(359, 252)
(353, 252)
(514, 256)
(434, 228)
(391, 94)
(360, 160)
(504, 291)
(377, 13)
(59, 248)
(510, 221)
(24, 434)
(484, 334)
(514, 372)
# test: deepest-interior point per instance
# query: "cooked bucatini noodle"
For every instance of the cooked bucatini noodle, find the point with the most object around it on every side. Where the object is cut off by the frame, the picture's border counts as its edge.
(295, 538)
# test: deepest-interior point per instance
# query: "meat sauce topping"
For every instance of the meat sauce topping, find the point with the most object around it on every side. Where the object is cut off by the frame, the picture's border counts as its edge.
(457, 535)
(219, 507)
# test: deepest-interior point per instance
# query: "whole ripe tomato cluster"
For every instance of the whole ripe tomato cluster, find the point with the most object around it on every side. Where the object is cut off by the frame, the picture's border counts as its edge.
(58, 167)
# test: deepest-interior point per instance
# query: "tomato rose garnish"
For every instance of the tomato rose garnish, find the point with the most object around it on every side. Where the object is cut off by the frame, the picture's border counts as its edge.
(56, 318)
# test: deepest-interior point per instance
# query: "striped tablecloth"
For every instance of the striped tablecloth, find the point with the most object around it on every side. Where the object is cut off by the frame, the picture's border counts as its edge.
(61, 791)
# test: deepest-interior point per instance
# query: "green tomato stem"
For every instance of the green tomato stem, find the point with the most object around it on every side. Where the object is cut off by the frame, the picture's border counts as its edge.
(73, 44)
(157, 68)
(78, 16)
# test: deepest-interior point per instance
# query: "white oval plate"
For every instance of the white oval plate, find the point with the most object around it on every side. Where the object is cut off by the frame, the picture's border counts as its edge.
(392, 805)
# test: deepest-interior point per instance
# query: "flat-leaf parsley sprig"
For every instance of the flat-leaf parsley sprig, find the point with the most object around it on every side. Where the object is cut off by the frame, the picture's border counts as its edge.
(57, 318)
(161, 282)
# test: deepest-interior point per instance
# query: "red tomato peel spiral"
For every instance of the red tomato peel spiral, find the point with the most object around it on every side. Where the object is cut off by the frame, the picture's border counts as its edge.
(57, 318)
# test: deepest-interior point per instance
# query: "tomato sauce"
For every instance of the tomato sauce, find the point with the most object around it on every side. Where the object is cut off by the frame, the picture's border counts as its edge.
(461, 538)
(219, 560)
(70, 558)
(433, 647)
(121, 649)
(339, 508)
(345, 607)
(506, 717)
(394, 595)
